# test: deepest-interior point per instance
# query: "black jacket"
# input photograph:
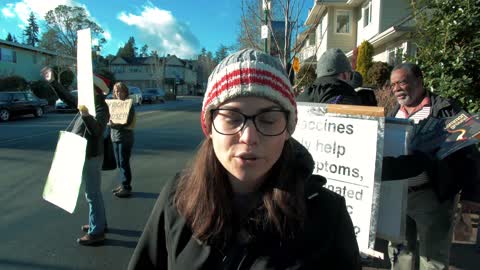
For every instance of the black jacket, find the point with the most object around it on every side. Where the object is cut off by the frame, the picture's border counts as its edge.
(327, 242)
(330, 90)
(458, 171)
(90, 127)
(124, 132)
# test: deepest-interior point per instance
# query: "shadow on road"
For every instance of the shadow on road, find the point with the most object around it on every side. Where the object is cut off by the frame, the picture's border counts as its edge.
(144, 195)
(16, 264)
(120, 243)
(130, 233)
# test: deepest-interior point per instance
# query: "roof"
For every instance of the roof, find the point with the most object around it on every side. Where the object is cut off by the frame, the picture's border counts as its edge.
(33, 49)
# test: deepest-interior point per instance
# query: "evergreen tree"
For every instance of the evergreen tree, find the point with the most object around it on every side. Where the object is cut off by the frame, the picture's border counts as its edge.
(9, 37)
(364, 58)
(221, 53)
(129, 50)
(448, 39)
(31, 32)
(144, 51)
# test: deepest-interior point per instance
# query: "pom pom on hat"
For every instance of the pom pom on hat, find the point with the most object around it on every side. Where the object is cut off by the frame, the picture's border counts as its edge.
(248, 73)
(102, 83)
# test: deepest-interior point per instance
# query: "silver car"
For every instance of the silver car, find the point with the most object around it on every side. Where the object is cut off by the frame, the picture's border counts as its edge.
(135, 94)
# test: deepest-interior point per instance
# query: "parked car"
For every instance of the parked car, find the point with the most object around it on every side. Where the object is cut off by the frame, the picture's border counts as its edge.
(20, 103)
(151, 95)
(135, 94)
(61, 106)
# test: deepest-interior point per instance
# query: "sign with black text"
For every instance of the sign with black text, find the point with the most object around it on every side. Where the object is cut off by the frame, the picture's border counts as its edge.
(347, 150)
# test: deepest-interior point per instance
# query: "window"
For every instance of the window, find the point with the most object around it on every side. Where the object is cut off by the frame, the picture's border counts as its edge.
(395, 56)
(19, 97)
(311, 39)
(343, 21)
(8, 55)
(367, 13)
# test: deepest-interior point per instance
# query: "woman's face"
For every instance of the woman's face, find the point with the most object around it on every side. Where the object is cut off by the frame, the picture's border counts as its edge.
(120, 93)
(248, 155)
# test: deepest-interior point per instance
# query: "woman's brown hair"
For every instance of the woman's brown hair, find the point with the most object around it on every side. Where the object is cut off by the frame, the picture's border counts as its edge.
(120, 86)
(204, 196)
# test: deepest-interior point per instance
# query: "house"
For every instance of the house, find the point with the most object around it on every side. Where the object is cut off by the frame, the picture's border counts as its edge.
(346, 24)
(169, 72)
(27, 61)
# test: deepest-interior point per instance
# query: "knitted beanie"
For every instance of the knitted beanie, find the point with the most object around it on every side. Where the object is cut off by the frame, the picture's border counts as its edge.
(249, 73)
(332, 62)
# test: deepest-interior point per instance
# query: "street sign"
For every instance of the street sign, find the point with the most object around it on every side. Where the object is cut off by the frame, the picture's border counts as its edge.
(264, 31)
(296, 64)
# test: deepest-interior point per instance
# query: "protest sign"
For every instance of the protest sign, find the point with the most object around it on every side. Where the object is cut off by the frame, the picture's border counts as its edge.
(119, 110)
(65, 176)
(84, 71)
(346, 143)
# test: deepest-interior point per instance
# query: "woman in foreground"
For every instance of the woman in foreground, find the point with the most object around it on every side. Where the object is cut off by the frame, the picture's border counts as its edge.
(249, 199)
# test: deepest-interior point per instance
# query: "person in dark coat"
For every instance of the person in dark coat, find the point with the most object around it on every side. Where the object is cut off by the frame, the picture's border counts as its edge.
(249, 199)
(332, 85)
(122, 136)
(433, 184)
(92, 128)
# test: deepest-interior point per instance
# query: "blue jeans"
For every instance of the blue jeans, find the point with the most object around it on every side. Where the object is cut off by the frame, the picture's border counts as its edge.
(93, 193)
(123, 151)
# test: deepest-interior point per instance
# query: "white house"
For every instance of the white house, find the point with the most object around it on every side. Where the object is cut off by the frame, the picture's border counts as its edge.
(346, 24)
(169, 72)
(27, 61)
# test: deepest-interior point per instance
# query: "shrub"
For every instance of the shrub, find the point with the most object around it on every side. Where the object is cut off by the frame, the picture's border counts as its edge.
(42, 90)
(66, 75)
(305, 76)
(364, 58)
(385, 98)
(378, 74)
(13, 83)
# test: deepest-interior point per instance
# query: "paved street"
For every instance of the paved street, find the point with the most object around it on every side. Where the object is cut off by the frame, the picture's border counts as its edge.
(39, 235)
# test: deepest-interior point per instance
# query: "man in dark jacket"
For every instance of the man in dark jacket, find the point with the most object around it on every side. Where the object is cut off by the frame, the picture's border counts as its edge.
(334, 73)
(92, 129)
(433, 184)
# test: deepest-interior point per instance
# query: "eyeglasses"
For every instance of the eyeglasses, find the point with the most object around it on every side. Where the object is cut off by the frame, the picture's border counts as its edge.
(267, 123)
(400, 83)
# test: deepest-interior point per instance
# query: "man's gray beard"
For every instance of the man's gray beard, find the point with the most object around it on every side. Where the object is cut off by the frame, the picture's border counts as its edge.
(404, 101)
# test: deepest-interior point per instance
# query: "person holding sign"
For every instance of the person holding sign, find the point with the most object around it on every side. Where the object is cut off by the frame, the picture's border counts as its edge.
(122, 138)
(92, 129)
(249, 199)
(332, 85)
(432, 183)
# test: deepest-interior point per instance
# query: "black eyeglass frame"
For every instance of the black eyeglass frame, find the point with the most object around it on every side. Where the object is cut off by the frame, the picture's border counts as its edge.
(247, 117)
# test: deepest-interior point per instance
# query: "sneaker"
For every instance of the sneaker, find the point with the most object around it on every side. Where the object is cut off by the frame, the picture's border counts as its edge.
(123, 193)
(117, 189)
(86, 227)
(90, 239)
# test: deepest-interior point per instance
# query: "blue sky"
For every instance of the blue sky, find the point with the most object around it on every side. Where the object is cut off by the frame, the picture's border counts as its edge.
(180, 27)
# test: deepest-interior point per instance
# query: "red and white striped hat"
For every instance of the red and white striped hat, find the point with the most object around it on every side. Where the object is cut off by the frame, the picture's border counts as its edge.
(102, 83)
(249, 73)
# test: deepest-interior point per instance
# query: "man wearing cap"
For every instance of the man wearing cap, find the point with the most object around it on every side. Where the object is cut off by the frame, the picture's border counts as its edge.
(334, 73)
(92, 129)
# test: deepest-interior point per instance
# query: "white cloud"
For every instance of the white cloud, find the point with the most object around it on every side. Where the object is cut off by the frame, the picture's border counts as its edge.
(39, 8)
(161, 31)
(7, 11)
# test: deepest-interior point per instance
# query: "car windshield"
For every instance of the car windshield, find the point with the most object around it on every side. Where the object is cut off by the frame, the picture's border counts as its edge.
(151, 91)
(4, 97)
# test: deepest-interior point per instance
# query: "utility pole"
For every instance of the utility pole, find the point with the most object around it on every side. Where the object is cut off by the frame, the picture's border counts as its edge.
(265, 30)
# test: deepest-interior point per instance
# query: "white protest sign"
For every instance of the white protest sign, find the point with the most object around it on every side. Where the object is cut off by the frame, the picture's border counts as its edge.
(84, 70)
(65, 176)
(119, 110)
(345, 149)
